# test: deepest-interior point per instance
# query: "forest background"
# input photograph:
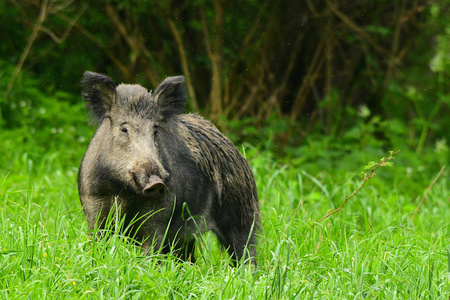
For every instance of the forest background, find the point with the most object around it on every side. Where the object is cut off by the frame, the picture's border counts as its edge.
(366, 71)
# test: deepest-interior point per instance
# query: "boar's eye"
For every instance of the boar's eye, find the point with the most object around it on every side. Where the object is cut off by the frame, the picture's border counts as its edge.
(124, 129)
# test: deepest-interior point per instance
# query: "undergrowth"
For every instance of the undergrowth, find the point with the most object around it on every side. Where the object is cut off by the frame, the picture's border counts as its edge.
(370, 249)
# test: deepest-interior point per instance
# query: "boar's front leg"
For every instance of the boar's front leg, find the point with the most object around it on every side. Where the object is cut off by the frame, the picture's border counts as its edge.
(96, 211)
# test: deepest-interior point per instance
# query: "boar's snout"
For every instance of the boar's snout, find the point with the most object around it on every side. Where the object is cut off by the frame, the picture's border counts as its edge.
(155, 187)
(148, 182)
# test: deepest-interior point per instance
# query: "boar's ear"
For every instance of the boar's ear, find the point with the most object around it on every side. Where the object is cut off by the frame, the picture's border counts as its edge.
(99, 94)
(170, 96)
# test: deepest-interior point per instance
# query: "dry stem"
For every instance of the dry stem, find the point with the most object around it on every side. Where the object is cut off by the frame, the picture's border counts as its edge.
(426, 193)
(372, 173)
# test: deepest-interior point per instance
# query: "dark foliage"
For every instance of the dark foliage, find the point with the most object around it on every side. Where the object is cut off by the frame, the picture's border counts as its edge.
(326, 66)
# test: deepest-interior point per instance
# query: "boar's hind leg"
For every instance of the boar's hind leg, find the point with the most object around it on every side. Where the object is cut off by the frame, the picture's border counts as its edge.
(239, 244)
(186, 252)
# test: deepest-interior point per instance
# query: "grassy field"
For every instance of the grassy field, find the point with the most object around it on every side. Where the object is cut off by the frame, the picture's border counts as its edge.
(371, 249)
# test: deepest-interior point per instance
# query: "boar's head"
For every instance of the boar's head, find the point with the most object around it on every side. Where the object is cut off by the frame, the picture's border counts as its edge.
(129, 119)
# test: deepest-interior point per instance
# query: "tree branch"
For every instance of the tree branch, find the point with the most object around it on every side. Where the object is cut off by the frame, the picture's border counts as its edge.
(214, 54)
(134, 42)
(352, 25)
(300, 98)
(99, 44)
(71, 24)
(184, 62)
(37, 27)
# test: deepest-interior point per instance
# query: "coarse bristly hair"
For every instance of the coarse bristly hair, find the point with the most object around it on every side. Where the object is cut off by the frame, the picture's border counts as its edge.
(100, 94)
(135, 100)
(201, 168)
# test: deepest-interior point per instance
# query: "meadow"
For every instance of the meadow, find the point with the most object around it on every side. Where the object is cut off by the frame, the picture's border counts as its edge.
(376, 247)
(314, 93)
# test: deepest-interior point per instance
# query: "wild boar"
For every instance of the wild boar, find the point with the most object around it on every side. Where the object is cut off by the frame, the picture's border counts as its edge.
(172, 175)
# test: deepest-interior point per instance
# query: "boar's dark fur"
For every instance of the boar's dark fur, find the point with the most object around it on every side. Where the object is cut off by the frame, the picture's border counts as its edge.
(174, 173)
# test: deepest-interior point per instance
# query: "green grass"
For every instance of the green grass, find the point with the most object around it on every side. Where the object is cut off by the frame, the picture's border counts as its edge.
(368, 250)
